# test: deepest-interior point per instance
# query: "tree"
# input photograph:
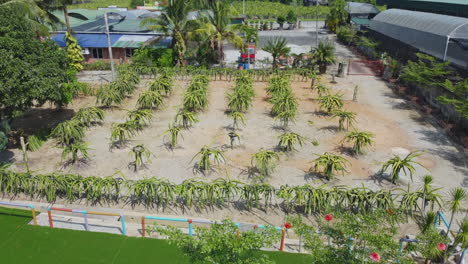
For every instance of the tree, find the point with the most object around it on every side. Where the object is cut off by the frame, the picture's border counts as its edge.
(277, 47)
(406, 165)
(75, 57)
(458, 198)
(222, 243)
(218, 28)
(324, 55)
(33, 71)
(360, 139)
(173, 22)
(329, 164)
(337, 15)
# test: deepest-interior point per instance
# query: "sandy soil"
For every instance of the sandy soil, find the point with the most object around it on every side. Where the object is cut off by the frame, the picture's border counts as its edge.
(398, 126)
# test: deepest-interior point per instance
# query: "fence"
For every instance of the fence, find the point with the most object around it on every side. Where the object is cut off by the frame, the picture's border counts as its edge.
(190, 223)
(85, 214)
(30, 206)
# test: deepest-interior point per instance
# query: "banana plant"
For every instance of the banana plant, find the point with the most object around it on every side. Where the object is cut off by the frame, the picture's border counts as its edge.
(265, 161)
(287, 141)
(207, 156)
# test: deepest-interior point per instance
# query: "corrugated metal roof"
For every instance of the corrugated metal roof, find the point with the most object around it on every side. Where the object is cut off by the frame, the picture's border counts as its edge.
(360, 21)
(361, 8)
(442, 25)
(136, 41)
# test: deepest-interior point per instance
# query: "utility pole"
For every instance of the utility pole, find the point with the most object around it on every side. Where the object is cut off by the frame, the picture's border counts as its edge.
(316, 23)
(111, 57)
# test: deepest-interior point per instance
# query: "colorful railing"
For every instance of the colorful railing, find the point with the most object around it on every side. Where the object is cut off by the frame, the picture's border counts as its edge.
(30, 206)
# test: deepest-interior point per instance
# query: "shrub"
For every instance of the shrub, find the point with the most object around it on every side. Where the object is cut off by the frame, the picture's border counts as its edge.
(98, 65)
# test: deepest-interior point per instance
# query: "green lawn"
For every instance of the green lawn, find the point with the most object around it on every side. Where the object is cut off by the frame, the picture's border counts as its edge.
(22, 243)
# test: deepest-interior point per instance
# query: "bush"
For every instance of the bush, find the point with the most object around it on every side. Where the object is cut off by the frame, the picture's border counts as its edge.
(346, 34)
(99, 65)
(135, 3)
(280, 20)
(291, 17)
(153, 57)
(3, 141)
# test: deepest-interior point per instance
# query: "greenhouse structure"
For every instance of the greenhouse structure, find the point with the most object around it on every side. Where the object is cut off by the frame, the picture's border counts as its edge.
(442, 36)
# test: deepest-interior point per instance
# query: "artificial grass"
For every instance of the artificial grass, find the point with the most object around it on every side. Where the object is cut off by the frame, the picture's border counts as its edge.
(22, 243)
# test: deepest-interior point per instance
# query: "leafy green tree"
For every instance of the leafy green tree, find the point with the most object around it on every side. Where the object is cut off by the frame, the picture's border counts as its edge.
(75, 57)
(324, 55)
(277, 47)
(337, 15)
(33, 71)
(398, 165)
(174, 22)
(222, 243)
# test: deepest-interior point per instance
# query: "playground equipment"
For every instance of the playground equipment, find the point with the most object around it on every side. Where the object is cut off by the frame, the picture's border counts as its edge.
(85, 214)
(30, 206)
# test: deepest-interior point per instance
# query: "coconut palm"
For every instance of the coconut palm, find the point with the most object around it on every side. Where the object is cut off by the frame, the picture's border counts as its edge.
(216, 26)
(89, 115)
(324, 55)
(68, 132)
(345, 119)
(141, 117)
(265, 161)
(277, 47)
(140, 153)
(360, 140)
(150, 100)
(207, 156)
(288, 141)
(329, 164)
(186, 118)
(237, 118)
(331, 102)
(174, 132)
(72, 152)
(406, 165)
(173, 22)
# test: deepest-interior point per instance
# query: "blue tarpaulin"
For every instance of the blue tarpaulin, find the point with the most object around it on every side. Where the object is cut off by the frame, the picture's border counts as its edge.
(88, 40)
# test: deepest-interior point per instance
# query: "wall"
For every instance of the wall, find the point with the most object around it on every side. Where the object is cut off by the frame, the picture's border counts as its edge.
(117, 53)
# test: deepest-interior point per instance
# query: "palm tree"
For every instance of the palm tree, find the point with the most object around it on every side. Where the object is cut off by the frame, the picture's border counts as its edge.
(360, 139)
(458, 198)
(331, 102)
(406, 165)
(173, 22)
(217, 27)
(324, 55)
(329, 164)
(345, 117)
(277, 47)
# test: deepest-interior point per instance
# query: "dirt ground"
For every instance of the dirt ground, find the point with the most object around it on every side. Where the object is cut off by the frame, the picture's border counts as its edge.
(398, 126)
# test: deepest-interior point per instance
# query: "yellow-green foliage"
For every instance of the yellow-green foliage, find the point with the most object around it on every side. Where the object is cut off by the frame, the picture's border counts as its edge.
(74, 52)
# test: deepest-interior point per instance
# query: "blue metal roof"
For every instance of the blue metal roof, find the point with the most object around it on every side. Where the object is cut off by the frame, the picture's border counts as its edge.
(88, 40)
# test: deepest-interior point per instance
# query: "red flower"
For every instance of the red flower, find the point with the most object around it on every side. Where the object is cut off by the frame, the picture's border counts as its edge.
(328, 217)
(441, 246)
(375, 256)
(287, 225)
